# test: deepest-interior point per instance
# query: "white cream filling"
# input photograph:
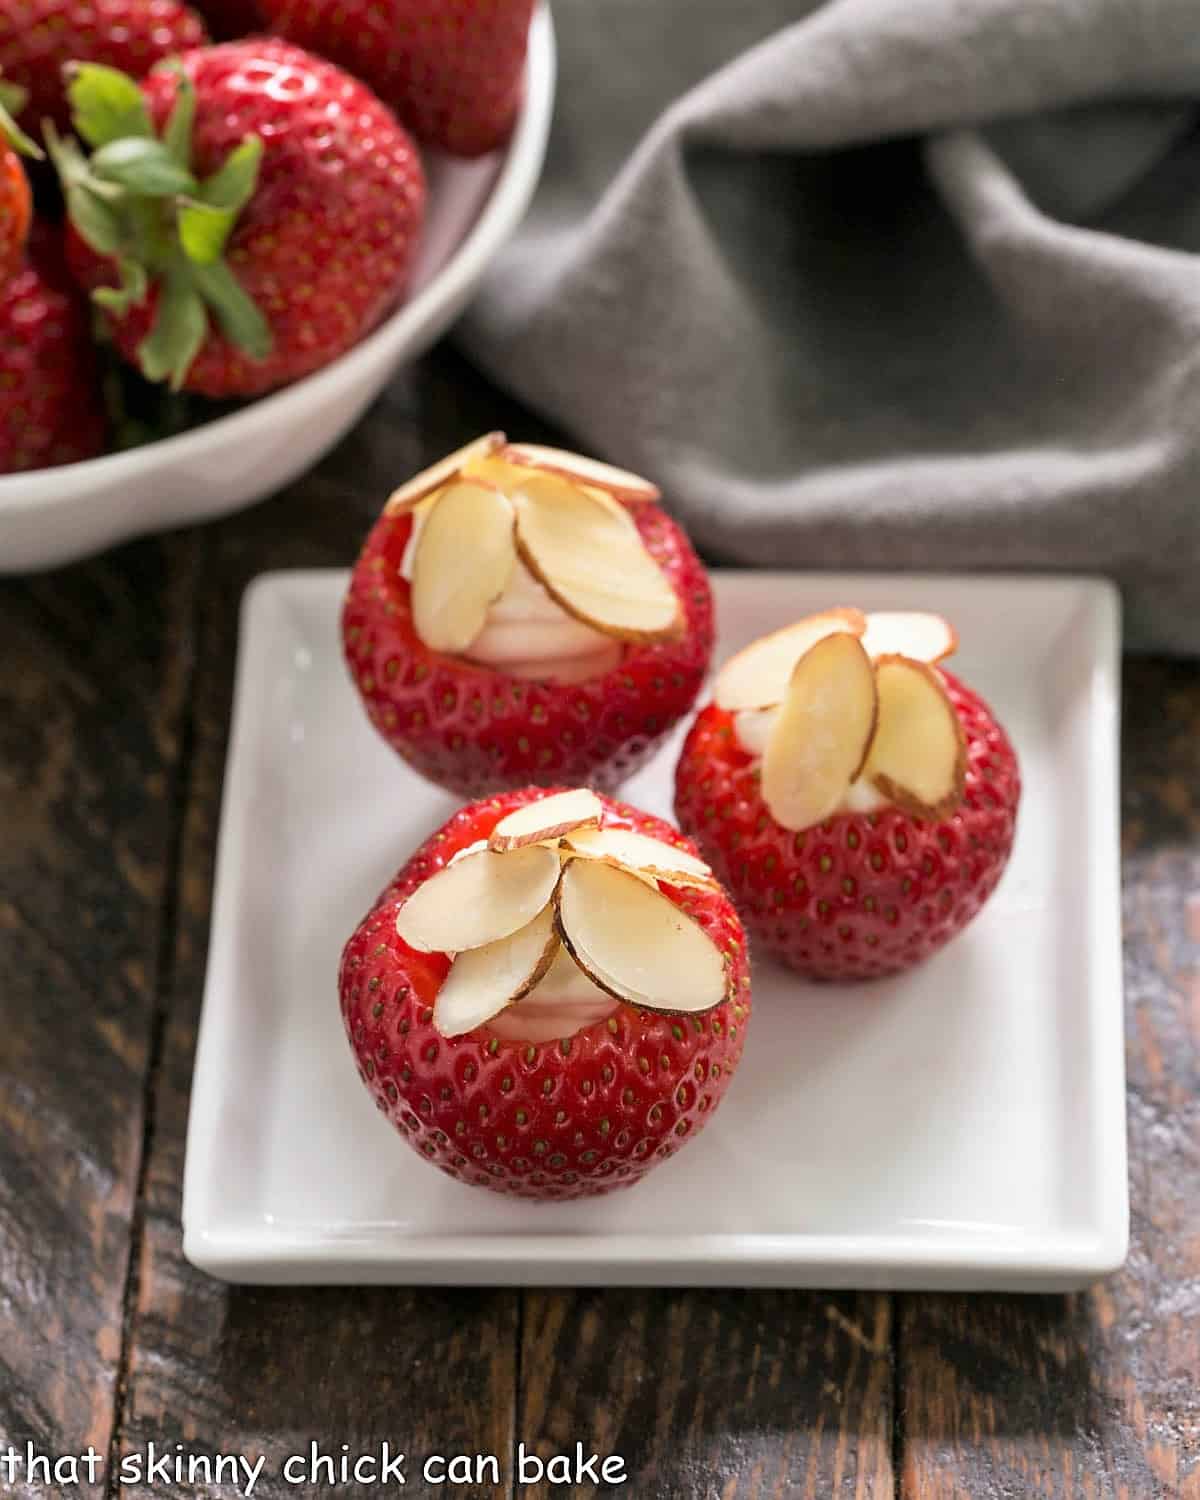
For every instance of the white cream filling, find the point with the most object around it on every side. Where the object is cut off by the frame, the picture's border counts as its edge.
(752, 726)
(564, 1002)
(526, 634)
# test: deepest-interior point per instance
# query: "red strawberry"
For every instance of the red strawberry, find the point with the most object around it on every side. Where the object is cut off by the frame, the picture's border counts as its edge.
(451, 69)
(861, 894)
(283, 218)
(578, 1114)
(473, 729)
(16, 201)
(37, 37)
(16, 209)
(51, 411)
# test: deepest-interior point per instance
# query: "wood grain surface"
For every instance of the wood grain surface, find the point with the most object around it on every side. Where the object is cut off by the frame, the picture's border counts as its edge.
(738, 1394)
(115, 683)
(94, 672)
(266, 1371)
(1099, 1394)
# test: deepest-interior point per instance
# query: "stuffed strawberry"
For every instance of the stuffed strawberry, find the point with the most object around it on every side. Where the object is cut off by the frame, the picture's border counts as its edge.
(16, 200)
(451, 69)
(39, 37)
(523, 615)
(245, 217)
(858, 801)
(551, 997)
(50, 410)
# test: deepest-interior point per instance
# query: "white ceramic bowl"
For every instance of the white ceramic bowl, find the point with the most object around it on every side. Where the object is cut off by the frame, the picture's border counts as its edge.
(55, 515)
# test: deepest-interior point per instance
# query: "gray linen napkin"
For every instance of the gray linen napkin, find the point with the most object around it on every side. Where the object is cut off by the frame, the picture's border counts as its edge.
(880, 283)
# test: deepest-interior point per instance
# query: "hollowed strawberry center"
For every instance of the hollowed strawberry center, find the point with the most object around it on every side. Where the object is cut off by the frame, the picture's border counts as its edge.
(563, 1003)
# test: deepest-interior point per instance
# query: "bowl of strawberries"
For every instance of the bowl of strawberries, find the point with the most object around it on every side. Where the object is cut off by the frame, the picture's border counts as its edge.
(214, 254)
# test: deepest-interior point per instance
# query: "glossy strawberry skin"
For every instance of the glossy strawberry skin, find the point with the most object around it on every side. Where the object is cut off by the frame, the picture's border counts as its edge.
(863, 894)
(16, 210)
(326, 245)
(475, 731)
(38, 36)
(50, 407)
(554, 1120)
(451, 69)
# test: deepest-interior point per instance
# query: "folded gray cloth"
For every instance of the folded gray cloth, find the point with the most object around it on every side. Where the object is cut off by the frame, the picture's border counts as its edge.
(880, 283)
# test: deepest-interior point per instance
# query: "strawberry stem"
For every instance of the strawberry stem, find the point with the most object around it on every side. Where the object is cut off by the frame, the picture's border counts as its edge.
(137, 201)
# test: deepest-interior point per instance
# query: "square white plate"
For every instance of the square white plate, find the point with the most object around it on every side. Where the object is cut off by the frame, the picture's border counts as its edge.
(960, 1126)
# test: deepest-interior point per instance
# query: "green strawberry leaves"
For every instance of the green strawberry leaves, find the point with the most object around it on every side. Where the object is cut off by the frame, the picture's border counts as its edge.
(137, 201)
(135, 285)
(12, 102)
(146, 168)
(207, 219)
(232, 185)
(106, 104)
(179, 329)
(237, 312)
(177, 134)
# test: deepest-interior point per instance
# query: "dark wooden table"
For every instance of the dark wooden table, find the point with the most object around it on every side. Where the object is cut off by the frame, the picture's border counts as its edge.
(115, 681)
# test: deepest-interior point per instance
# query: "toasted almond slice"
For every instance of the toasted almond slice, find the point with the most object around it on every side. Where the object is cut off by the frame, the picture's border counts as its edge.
(464, 558)
(466, 851)
(547, 820)
(629, 939)
(640, 855)
(758, 676)
(823, 731)
(616, 508)
(478, 899)
(440, 473)
(908, 632)
(918, 758)
(590, 471)
(483, 981)
(591, 563)
(491, 468)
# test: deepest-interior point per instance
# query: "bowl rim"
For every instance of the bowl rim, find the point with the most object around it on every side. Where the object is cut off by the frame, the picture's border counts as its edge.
(505, 207)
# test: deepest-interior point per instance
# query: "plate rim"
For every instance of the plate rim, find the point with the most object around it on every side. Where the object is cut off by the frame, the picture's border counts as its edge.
(1044, 1260)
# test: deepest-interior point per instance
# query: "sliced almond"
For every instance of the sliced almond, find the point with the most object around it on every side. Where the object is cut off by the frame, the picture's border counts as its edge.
(547, 820)
(590, 471)
(629, 939)
(440, 473)
(619, 511)
(918, 758)
(591, 563)
(640, 855)
(466, 851)
(492, 468)
(478, 899)
(758, 676)
(463, 561)
(822, 734)
(909, 632)
(484, 981)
